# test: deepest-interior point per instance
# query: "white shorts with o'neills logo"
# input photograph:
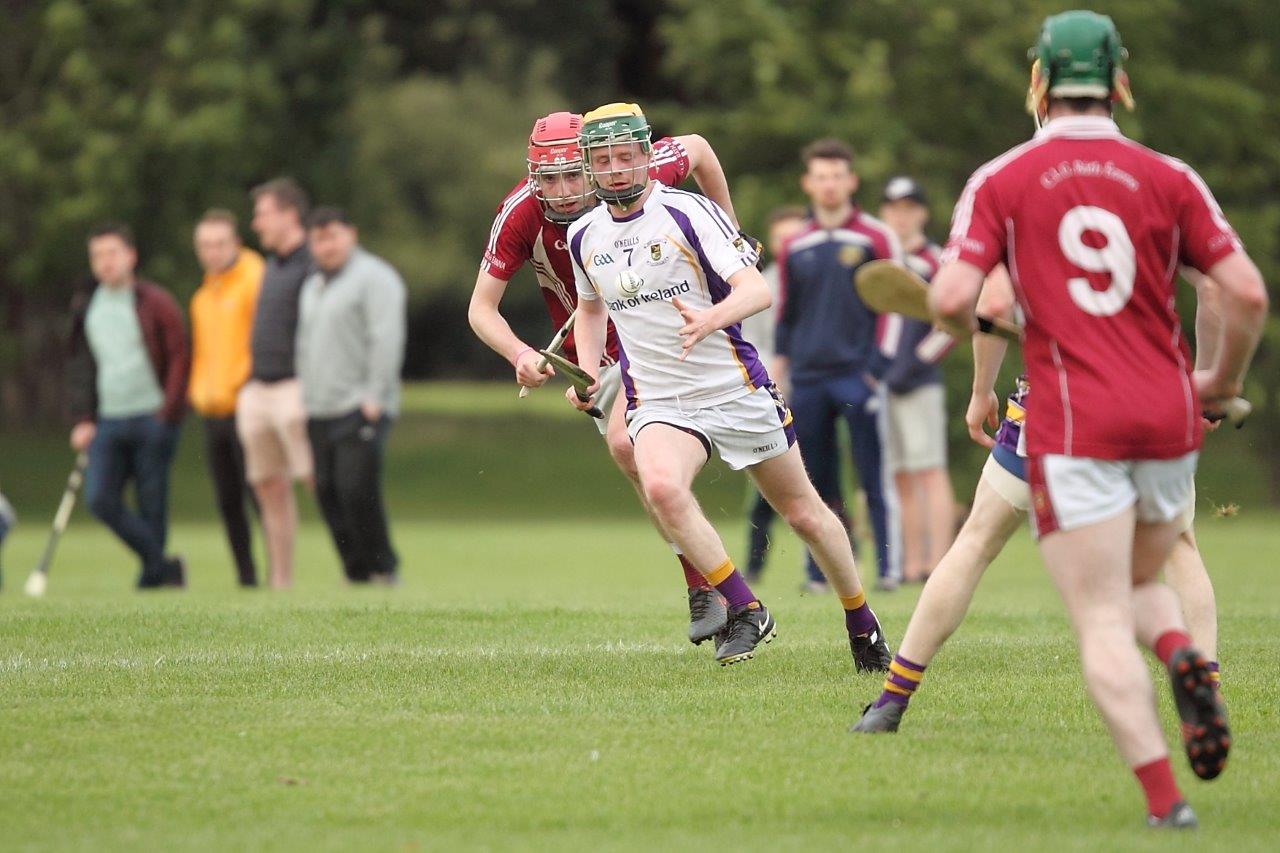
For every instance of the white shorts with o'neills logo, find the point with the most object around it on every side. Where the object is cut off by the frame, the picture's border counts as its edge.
(743, 431)
(1068, 492)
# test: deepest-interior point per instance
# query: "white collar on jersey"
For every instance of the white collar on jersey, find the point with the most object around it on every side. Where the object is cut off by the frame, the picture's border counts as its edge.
(1080, 127)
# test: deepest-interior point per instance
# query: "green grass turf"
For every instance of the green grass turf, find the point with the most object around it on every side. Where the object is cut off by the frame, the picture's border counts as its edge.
(529, 687)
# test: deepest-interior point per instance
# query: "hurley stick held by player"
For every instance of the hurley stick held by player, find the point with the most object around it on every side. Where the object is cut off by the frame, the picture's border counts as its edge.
(1092, 228)
(676, 278)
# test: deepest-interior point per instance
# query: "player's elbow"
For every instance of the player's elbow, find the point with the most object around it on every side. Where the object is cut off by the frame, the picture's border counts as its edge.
(948, 304)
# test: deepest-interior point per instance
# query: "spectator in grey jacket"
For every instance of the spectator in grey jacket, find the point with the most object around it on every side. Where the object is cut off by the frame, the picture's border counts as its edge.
(351, 333)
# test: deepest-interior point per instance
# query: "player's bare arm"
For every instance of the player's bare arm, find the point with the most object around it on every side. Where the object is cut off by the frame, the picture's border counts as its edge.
(707, 173)
(953, 297)
(492, 328)
(589, 331)
(995, 300)
(1242, 304)
(750, 295)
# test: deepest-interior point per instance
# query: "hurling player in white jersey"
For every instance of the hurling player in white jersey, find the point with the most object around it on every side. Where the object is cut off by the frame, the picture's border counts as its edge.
(676, 279)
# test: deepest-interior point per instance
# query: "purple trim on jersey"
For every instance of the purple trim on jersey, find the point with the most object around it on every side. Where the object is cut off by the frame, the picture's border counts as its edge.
(575, 249)
(628, 387)
(630, 216)
(714, 211)
(718, 289)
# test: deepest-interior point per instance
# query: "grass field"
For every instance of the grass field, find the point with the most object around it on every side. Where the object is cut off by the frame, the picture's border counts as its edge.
(529, 687)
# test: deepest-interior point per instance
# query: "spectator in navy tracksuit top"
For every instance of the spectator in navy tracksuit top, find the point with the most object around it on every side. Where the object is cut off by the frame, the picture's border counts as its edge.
(827, 344)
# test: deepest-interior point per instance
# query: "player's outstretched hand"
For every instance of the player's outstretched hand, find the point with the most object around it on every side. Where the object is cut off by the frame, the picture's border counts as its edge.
(696, 326)
(1213, 390)
(571, 394)
(527, 372)
(984, 409)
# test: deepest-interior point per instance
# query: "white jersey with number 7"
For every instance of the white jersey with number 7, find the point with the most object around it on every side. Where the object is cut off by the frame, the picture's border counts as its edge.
(677, 245)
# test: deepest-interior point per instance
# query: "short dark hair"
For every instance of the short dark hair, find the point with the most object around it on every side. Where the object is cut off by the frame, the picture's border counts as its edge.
(287, 193)
(327, 215)
(781, 214)
(114, 229)
(827, 148)
(221, 214)
(1082, 105)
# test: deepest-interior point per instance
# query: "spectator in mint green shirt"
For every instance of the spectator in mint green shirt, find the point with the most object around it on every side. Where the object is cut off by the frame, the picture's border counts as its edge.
(128, 387)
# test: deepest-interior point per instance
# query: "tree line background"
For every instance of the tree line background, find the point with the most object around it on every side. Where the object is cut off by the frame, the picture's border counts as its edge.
(413, 115)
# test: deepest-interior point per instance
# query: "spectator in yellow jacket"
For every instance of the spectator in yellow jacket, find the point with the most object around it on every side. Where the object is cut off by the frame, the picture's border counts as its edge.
(221, 322)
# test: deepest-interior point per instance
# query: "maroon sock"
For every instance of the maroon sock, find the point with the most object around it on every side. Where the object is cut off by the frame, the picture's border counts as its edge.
(1169, 643)
(1156, 779)
(692, 577)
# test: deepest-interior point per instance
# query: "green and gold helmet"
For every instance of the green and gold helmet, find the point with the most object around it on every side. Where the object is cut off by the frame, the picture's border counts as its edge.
(1078, 55)
(616, 126)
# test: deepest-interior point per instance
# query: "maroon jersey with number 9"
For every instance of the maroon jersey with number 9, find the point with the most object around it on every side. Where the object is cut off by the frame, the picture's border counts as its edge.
(1093, 228)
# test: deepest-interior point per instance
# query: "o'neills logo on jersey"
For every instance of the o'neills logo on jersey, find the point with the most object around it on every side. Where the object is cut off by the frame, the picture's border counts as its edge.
(661, 295)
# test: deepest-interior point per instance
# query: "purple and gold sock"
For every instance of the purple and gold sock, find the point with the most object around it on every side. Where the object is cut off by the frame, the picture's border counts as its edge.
(904, 678)
(732, 586)
(858, 617)
(1214, 675)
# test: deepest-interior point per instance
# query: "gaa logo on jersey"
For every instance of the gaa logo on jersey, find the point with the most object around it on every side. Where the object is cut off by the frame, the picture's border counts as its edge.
(851, 256)
(629, 282)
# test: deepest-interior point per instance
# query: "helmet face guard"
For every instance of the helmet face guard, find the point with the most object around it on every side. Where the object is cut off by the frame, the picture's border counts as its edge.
(612, 140)
(556, 173)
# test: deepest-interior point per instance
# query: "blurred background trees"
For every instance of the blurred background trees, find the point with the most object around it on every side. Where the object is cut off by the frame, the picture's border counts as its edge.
(414, 115)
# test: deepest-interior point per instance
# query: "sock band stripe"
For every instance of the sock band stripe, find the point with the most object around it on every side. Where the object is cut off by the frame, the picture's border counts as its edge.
(853, 602)
(890, 687)
(902, 672)
(723, 571)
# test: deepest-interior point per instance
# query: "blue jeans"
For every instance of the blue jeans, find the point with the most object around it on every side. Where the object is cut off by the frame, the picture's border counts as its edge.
(817, 405)
(138, 449)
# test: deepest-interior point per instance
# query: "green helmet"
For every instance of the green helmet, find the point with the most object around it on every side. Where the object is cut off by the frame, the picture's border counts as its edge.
(1078, 55)
(616, 124)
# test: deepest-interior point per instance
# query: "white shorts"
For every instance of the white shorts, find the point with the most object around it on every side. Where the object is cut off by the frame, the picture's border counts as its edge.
(745, 431)
(917, 434)
(607, 395)
(1007, 485)
(1068, 492)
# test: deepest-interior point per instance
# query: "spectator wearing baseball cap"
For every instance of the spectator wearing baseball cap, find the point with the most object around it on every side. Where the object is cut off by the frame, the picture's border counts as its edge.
(917, 428)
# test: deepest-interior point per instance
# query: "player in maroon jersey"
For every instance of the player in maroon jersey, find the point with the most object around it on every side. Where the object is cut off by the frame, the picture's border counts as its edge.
(1092, 228)
(531, 227)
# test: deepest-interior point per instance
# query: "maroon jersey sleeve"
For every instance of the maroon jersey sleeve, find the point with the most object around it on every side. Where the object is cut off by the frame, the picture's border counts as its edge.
(1207, 237)
(513, 233)
(670, 163)
(977, 231)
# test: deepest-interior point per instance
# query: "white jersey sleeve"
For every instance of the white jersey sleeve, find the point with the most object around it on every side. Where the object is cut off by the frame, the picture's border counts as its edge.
(582, 282)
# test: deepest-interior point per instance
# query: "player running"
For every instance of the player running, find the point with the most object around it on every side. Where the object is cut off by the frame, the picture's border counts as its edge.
(1092, 227)
(1000, 503)
(531, 227)
(676, 278)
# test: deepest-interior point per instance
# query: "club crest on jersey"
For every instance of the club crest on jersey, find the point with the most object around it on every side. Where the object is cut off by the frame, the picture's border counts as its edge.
(655, 251)
(629, 282)
(851, 256)
(740, 244)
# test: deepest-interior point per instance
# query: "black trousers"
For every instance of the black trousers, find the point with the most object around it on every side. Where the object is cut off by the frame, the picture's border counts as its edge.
(225, 456)
(348, 454)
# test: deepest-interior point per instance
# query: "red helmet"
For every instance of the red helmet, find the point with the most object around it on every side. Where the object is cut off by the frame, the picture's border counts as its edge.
(553, 150)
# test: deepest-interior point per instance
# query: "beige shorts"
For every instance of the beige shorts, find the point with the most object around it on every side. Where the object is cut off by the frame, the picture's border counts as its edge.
(272, 426)
(917, 434)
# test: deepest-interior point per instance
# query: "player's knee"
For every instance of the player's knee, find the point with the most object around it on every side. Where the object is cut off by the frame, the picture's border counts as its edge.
(665, 494)
(808, 518)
